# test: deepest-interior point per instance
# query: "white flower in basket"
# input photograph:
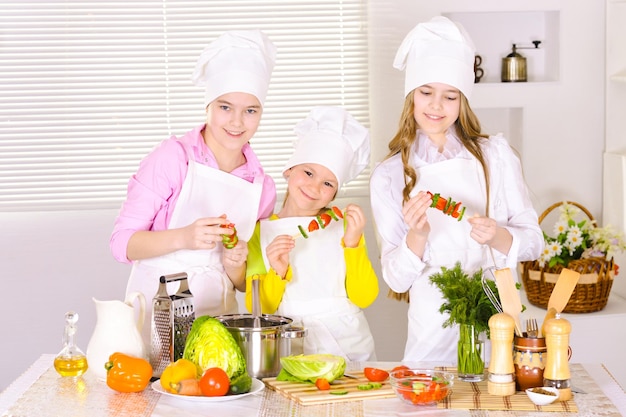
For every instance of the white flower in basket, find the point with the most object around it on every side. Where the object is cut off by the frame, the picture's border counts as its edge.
(579, 240)
(578, 245)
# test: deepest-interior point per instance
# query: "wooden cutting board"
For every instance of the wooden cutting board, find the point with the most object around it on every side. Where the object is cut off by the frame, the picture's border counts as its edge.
(308, 394)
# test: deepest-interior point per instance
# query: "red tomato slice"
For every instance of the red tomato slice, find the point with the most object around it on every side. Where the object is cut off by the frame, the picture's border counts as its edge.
(313, 226)
(339, 214)
(402, 371)
(325, 219)
(322, 384)
(375, 374)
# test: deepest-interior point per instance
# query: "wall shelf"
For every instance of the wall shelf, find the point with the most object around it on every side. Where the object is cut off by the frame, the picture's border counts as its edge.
(515, 27)
(619, 77)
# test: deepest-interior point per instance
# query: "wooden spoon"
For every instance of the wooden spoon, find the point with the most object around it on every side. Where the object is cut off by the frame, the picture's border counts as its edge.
(509, 296)
(561, 294)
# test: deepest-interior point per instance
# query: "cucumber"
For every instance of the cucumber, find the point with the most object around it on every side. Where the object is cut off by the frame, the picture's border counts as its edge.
(240, 385)
(332, 214)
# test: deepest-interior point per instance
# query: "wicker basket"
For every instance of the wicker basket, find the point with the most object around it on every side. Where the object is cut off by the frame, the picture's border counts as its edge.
(593, 288)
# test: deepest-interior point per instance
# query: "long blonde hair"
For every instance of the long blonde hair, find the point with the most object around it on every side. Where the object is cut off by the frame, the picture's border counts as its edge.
(467, 127)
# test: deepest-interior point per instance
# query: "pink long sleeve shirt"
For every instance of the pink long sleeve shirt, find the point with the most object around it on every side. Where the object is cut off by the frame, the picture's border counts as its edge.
(154, 189)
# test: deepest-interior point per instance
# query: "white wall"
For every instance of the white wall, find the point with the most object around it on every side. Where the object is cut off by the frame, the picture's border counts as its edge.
(562, 122)
(55, 262)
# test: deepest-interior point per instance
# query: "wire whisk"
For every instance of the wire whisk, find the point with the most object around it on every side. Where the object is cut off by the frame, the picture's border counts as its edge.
(489, 291)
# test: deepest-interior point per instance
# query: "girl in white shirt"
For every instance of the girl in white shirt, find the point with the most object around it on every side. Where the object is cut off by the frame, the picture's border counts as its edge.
(439, 149)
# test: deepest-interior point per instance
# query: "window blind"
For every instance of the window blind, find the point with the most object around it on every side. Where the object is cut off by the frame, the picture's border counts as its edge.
(89, 87)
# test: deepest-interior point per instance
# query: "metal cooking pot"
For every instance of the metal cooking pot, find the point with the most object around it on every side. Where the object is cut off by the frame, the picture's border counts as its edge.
(263, 345)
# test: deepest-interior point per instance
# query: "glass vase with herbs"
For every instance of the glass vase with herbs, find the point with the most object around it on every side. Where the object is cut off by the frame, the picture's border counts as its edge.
(467, 306)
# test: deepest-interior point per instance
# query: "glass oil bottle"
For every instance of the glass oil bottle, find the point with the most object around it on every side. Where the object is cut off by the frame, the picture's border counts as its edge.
(71, 361)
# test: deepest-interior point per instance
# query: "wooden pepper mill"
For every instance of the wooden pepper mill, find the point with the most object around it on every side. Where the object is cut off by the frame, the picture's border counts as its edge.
(501, 379)
(557, 373)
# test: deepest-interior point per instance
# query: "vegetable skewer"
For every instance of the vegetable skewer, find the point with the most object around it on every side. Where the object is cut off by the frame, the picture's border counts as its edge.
(447, 206)
(229, 241)
(321, 221)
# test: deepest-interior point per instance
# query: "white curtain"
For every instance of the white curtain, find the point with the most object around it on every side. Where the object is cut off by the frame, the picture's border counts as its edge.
(87, 88)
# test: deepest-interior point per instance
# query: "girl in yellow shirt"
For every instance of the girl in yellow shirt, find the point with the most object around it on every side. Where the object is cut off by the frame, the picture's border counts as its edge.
(311, 258)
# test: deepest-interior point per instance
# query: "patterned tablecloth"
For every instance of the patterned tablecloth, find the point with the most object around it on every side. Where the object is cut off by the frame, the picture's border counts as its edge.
(41, 392)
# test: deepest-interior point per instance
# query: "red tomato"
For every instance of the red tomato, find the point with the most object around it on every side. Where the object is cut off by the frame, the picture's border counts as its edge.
(322, 384)
(375, 374)
(214, 382)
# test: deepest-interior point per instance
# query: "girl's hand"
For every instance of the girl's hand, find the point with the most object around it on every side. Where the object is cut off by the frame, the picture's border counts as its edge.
(483, 229)
(204, 233)
(414, 213)
(235, 257)
(278, 253)
(355, 224)
(486, 231)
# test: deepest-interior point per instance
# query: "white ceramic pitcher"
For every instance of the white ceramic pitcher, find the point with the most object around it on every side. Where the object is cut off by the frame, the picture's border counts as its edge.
(117, 330)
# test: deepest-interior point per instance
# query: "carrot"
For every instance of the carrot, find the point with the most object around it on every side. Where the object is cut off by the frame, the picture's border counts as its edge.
(186, 387)
(322, 384)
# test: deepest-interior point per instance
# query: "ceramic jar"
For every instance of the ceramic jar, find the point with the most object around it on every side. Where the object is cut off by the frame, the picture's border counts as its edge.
(529, 360)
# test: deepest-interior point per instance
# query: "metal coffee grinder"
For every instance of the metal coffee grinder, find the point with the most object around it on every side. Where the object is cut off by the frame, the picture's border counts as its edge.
(172, 317)
(514, 64)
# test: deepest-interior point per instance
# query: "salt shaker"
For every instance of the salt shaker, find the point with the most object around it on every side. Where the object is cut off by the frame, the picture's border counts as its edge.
(557, 373)
(501, 369)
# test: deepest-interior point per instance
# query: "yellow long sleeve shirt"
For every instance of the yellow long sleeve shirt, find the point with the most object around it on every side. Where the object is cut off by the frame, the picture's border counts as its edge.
(361, 280)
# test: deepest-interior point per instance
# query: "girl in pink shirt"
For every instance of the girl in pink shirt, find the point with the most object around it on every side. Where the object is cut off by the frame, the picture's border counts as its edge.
(190, 191)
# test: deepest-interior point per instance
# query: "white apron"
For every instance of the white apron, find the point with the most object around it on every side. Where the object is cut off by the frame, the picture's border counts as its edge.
(206, 192)
(316, 297)
(450, 242)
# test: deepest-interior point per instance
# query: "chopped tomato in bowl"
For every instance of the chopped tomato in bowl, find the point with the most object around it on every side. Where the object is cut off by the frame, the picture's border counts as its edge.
(421, 386)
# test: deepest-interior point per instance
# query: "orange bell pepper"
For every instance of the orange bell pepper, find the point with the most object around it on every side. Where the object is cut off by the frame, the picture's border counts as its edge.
(127, 373)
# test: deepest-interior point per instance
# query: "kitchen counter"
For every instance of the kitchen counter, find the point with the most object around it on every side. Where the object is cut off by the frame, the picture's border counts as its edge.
(40, 392)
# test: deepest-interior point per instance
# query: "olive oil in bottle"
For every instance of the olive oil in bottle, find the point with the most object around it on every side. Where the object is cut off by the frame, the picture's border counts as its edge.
(71, 361)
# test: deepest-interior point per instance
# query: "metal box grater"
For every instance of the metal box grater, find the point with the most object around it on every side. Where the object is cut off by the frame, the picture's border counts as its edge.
(172, 317)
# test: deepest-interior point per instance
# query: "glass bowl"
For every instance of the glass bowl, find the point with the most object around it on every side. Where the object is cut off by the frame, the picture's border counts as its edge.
(421, 386)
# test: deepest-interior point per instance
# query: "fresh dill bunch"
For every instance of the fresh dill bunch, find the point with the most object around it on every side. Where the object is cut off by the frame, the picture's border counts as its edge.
(465, 299)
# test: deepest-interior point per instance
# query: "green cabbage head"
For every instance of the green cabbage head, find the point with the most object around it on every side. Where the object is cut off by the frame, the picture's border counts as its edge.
(308, 368)
(209, 344)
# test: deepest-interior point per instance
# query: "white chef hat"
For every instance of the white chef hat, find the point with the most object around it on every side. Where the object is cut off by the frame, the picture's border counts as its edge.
(440, 51)
(238, 61)
(331, 137)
